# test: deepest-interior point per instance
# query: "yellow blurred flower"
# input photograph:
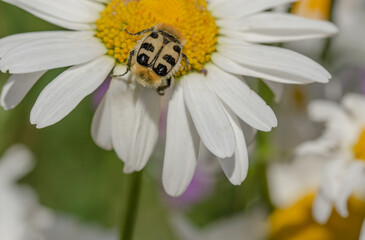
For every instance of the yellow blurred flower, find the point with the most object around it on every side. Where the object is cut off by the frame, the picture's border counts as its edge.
(315, 9)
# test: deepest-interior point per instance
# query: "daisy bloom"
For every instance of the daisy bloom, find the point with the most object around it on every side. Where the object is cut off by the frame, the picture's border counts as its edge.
(292, 188)
(210, 101)
(342, 146)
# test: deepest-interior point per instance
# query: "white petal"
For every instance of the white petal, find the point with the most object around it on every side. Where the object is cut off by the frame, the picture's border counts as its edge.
(355, 103)
(322, 208)
(208, 115)
(249, 132)
(239, 8)
(122, 103)
(236, 167)
(49, 53)
(351, 179)
(276, 27)
(15, 163)
(65, 92)
(329, 190)
(232, 67)
(362, 234)
(288, 183)
(340, 126)
(100, 127)
(276, 88)
(275, 62)
(331, 178)
(182, 145)
(322, 110)
(135, 112)
(320, 147)
(9, 42)
(16, 87)
(241, 99)
(144, 134)
(76, 15)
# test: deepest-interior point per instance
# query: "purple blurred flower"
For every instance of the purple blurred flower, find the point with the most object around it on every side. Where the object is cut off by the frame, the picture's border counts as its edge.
(100, 92)
(199, 189)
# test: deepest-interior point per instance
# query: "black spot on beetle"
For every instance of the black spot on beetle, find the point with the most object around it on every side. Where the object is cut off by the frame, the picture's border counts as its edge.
(169, 59)
(143, 59)
(154, 35)
(177, 49)
(166, 41)
(148, 47)
(160, 70)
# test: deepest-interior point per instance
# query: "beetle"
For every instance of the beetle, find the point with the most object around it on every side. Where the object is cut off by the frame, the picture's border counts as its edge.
(157, 56)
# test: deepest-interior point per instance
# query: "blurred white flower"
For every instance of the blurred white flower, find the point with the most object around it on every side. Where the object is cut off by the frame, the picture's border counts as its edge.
(248, 226)
(63, 227)
(23, 218)
(293, 187)
(210, 104)
(342, 145)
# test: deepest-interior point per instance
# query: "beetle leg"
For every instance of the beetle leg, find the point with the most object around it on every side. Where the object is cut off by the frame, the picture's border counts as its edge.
(161, 89)
(186, 60)
(129, 62)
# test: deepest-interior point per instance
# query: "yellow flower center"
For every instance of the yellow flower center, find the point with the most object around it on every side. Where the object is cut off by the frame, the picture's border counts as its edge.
(359, 147)
(190, 17)
(296, 222)
(315, 9)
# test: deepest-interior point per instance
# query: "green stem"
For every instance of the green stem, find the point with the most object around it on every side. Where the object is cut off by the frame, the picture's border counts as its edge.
(131, 210)
(264, 150)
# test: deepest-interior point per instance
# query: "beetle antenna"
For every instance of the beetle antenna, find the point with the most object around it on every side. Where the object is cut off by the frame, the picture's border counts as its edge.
(139, 33)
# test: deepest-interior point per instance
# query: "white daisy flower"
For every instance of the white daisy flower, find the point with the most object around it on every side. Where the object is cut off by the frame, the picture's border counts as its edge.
(18, 204)
(342, 145)
(292, 188)
(23, 218)
(210, 101)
